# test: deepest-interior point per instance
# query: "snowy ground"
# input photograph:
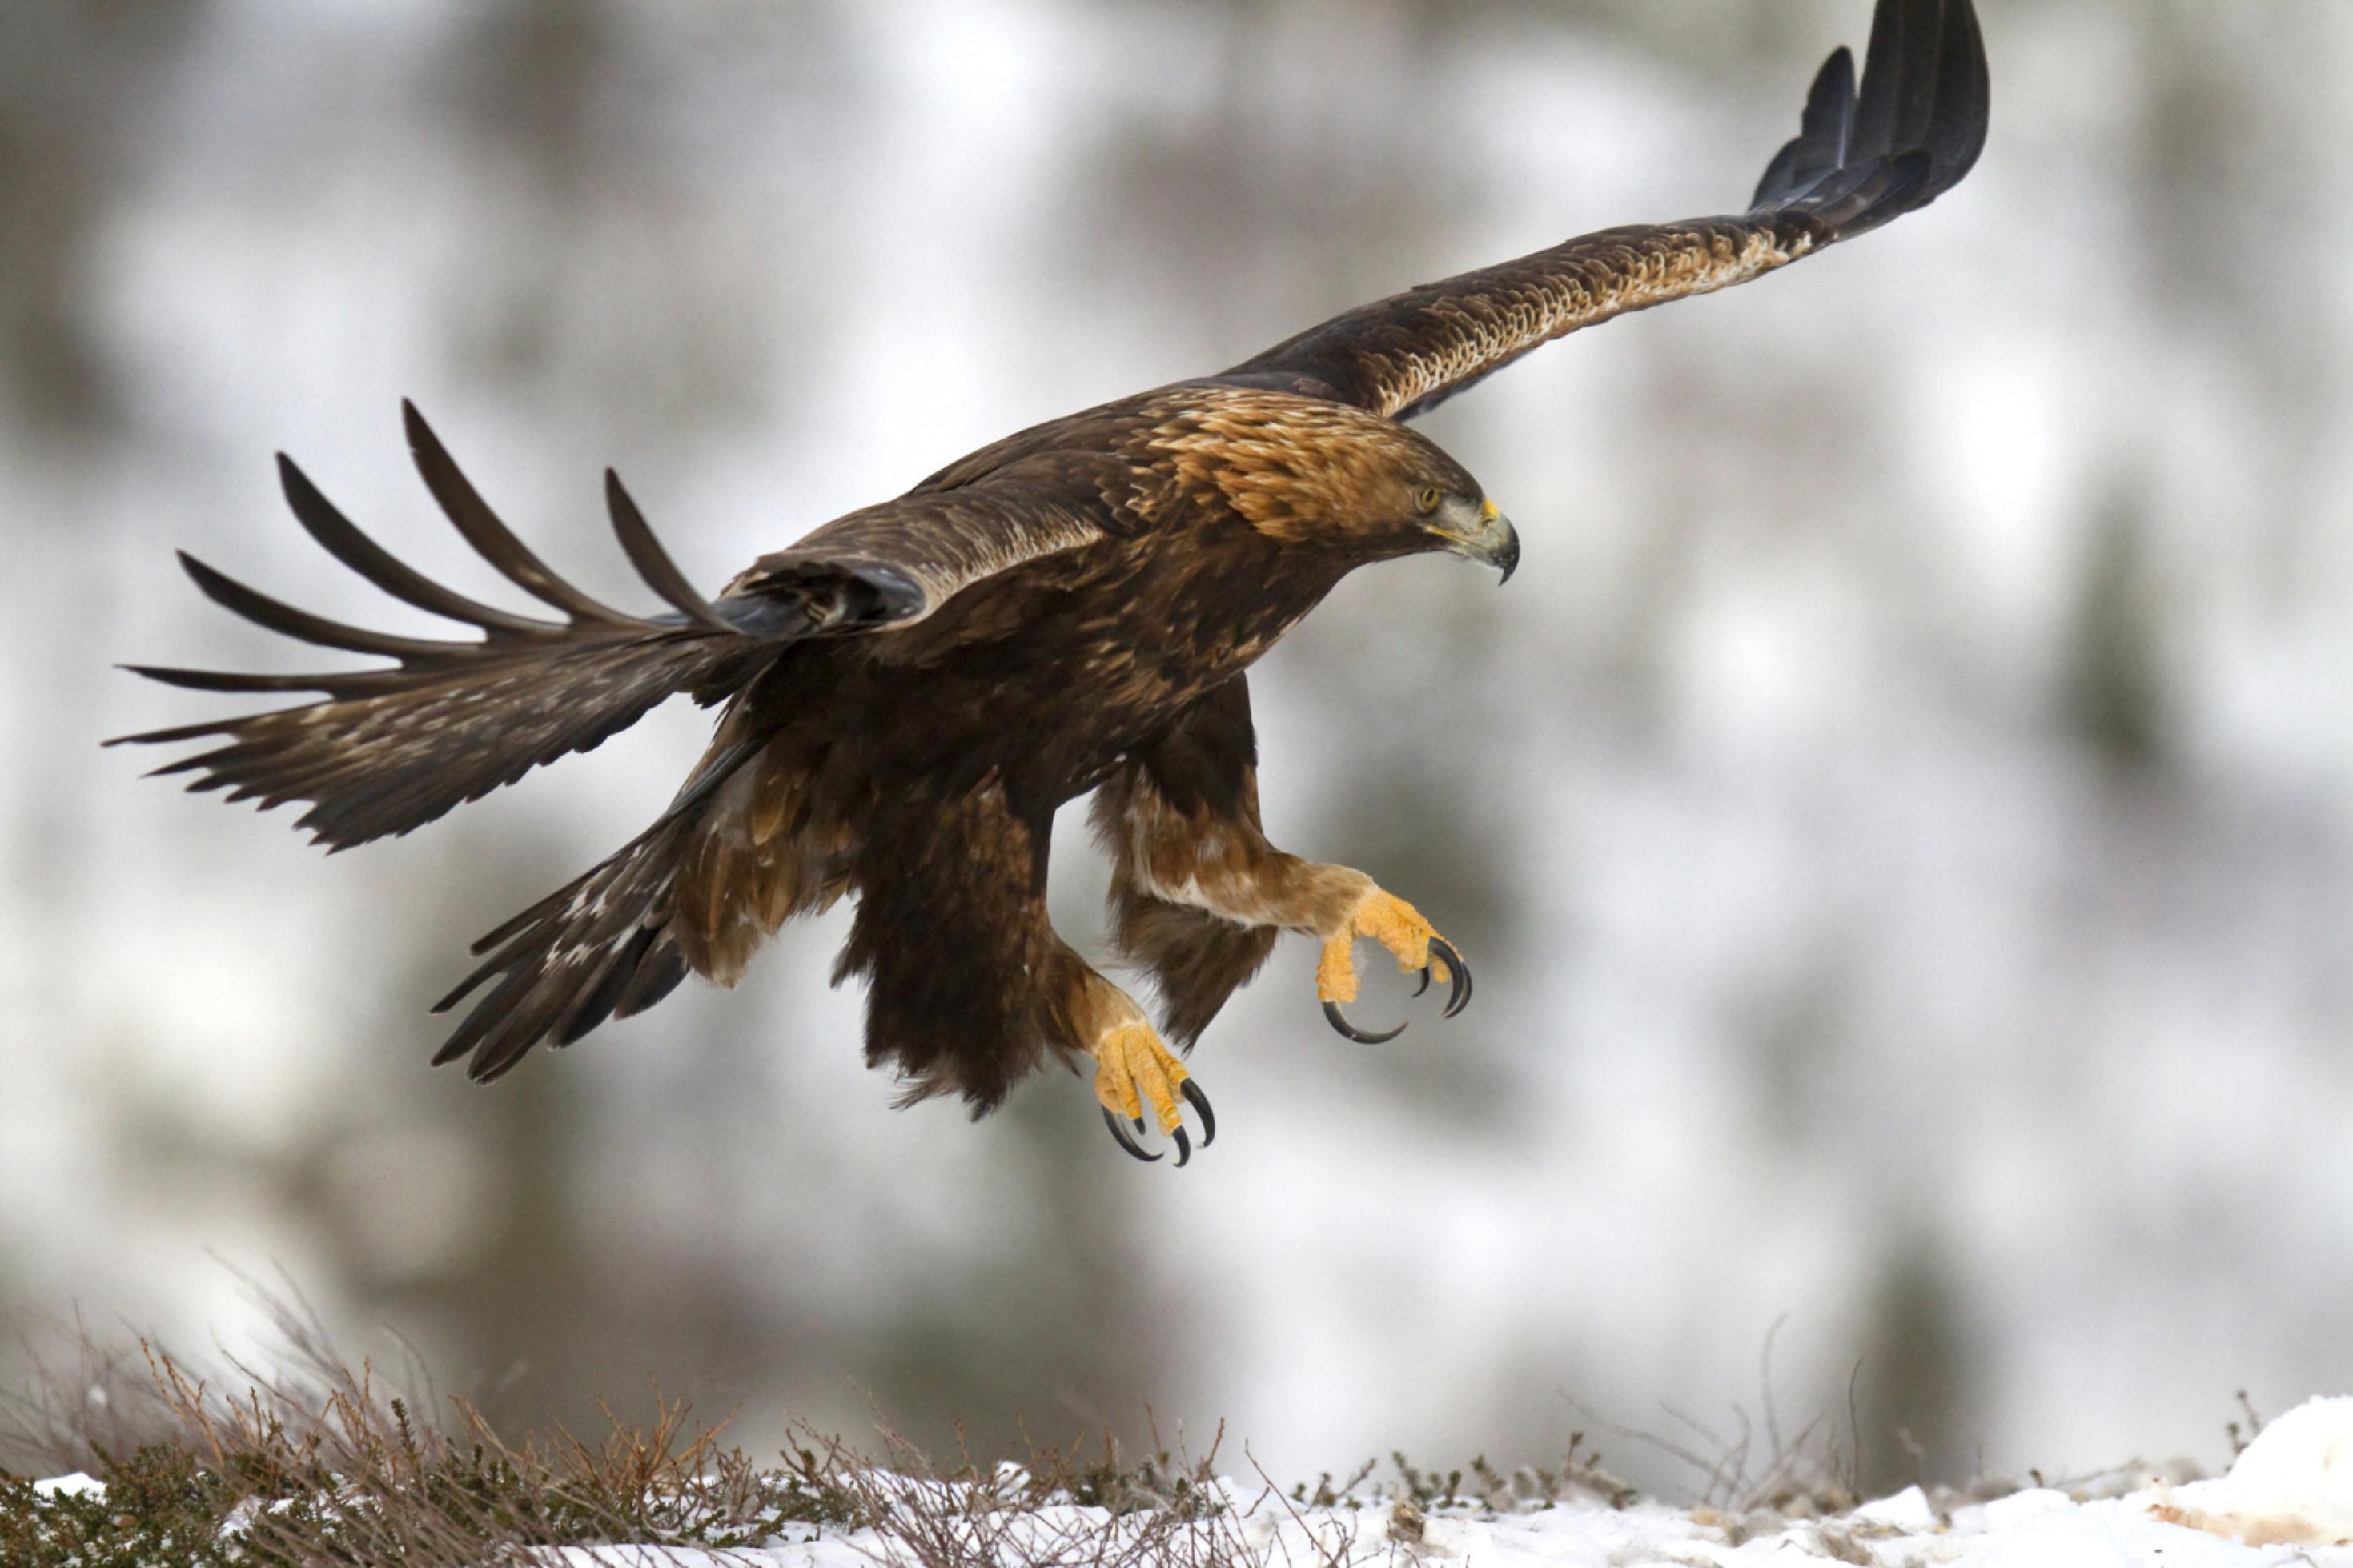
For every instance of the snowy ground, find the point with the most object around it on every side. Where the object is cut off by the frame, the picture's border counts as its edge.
(2287, 1499)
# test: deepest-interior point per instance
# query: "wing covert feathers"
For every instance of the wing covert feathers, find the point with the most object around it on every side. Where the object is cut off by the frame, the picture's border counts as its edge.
(918, 552)
(1862, 158)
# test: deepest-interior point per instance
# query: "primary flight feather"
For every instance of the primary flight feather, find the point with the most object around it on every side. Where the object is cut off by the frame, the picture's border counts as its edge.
(909, 692)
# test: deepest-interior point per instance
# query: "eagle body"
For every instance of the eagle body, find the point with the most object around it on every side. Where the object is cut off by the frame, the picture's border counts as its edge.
(1220, 515)
(908, 693)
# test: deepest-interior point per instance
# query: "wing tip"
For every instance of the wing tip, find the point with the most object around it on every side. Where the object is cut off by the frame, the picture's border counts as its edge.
(1919, 117)
(652, 561)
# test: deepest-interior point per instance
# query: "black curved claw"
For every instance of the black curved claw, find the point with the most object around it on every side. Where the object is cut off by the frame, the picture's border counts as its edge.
(1425, 981)
(1339, 1021)
(1458, 974)
(1119, 1135)
(1184, 1148)
(1200, 1103)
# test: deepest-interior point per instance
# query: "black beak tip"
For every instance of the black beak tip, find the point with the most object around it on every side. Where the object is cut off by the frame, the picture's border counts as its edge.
(1508, 558)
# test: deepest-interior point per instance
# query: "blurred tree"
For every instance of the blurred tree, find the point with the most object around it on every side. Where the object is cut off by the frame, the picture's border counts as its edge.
(1918, 1367)
(2114, 695)
(74, 77)
(1051, 1335)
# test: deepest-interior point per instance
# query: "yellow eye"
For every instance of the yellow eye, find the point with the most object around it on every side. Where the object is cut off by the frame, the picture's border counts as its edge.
(1427, 498)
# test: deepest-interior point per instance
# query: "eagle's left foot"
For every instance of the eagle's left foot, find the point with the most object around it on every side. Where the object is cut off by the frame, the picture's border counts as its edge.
(1133, 1066)
(1398, 927)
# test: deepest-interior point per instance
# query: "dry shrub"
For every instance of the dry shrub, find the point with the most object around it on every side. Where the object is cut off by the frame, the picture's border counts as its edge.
(324, 1463)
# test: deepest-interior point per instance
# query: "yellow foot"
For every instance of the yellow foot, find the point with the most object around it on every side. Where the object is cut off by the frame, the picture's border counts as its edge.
(1397, 926)
(1132, 1066)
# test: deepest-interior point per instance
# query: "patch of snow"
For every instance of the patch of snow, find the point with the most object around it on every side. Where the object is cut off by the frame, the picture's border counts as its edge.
(2292, 1487)
(2010, 1513)
(1907, 1510)
(2042, 1528)
(75, 1485)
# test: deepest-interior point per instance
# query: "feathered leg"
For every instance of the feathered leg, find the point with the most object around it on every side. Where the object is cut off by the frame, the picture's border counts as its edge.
(1199, 894)
(969, 987)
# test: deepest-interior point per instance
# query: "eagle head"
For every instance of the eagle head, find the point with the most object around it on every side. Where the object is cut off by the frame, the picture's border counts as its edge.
(1401, 495)
(1465, 523)
(1332, 477)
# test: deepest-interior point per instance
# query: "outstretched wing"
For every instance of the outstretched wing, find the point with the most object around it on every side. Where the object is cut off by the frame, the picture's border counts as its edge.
(1859, 161)
(384, 750)
(387, 750)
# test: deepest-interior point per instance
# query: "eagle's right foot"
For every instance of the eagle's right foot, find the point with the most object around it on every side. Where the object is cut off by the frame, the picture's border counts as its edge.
(1132, 1066)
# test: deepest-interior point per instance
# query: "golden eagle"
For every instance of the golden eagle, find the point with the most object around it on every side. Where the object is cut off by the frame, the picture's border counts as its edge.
(908, 693)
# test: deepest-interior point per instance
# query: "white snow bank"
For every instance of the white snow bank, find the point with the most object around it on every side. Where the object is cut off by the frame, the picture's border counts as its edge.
(2287, 1499)
(2293, 1486)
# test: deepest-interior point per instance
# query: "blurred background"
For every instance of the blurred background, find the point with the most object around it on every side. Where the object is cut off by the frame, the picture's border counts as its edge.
(1902, 813)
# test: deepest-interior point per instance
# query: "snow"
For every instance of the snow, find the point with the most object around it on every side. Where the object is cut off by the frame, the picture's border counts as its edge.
(74, 1485)
(2288, 1499)
(1907, 1510)
(2292, 1486)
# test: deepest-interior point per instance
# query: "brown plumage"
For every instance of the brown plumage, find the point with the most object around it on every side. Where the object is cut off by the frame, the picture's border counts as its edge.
(910, 690)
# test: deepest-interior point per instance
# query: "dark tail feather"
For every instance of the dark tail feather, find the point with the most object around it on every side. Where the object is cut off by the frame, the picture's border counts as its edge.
(598, 947)
(1863, 158)
(388, 750)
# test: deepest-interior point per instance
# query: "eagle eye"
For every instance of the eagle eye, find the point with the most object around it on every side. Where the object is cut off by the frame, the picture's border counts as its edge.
(1426, 498)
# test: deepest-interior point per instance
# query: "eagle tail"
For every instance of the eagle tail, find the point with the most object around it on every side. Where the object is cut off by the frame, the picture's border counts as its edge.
(601, 946)
(387, 750)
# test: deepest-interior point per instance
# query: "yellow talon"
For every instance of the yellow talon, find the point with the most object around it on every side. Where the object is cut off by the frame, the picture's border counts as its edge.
(1335, 971)
(1397, 926)
(1131, 1067)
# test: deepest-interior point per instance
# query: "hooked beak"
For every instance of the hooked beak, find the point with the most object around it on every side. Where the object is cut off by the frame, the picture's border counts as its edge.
(1488, 537)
